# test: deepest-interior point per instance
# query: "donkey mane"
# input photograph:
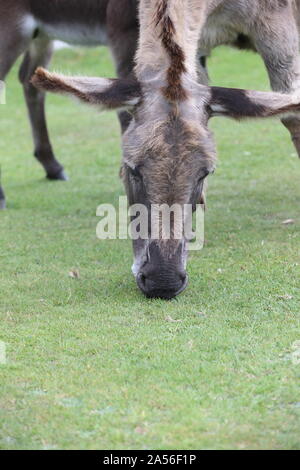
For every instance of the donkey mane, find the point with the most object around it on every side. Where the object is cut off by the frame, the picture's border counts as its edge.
(174, 90)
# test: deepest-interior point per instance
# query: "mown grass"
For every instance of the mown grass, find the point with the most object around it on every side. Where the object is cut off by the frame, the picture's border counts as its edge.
(93, 364)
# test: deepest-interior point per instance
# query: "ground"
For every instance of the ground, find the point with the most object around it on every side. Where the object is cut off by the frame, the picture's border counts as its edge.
(90, 362)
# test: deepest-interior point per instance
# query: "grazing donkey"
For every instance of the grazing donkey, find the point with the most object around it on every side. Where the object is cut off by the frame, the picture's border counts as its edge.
(168, 150)
(29, 26)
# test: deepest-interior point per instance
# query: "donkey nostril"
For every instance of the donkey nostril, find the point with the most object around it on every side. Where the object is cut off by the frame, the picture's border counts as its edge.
(159, 288)
(142, 281)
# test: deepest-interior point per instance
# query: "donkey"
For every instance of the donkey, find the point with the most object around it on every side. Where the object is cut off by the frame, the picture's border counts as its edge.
(269, 27)
(168, 150)
(29, 26)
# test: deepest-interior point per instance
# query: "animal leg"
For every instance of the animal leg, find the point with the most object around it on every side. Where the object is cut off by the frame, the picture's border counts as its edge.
(293, 125)
(2, 199)
(122, 27)
(39, 54)
(13, 42)
(279, 48)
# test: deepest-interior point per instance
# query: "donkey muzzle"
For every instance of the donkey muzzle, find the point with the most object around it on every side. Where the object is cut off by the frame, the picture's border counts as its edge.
(162, 277)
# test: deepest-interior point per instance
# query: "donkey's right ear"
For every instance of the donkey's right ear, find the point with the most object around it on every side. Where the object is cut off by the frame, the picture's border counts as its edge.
(104, 93)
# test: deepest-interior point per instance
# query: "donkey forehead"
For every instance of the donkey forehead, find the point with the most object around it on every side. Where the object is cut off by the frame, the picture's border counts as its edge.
(172, 136)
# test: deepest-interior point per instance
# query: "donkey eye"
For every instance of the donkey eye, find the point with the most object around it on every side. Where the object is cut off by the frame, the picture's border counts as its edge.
(203, 176)
(135, 172)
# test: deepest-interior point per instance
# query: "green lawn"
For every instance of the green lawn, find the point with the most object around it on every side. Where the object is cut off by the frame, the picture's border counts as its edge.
(93, 364)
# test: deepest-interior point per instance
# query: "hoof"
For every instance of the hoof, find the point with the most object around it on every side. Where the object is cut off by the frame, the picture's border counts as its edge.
(2, 204)
(60, 176)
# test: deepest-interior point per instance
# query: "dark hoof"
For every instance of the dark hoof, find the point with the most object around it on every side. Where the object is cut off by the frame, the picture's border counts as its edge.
(60, 176)
(2, 204)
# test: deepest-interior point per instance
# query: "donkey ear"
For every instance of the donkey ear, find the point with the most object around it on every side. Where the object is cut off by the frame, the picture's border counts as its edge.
(104, 93)
(242, 104)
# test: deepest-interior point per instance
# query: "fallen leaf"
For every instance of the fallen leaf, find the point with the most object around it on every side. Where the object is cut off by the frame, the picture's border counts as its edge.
(288, 222)
(171, 320)
(140, 430)
(296, 345)
(74, 274)
(201, 314)
(285, 297)
(103, 411)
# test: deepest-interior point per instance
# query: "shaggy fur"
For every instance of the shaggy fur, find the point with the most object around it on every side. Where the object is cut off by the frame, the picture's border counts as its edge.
(168, 150)
(89, 91)
(174, 90)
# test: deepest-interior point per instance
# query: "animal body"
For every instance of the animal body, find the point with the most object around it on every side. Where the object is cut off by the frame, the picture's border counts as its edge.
(29, 27)
(168, 149)
(269, 27)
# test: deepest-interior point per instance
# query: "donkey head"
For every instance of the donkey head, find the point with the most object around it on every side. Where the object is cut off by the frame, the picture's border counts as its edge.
(168, 150)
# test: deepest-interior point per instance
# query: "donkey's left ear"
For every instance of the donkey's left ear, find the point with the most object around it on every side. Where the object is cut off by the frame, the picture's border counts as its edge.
(243, 104)
(104, 93)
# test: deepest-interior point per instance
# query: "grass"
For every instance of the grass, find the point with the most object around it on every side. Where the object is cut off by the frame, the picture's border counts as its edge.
(93, 364)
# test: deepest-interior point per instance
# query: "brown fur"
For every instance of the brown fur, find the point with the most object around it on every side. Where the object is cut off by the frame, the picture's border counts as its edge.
(168, 150)
(110, 97)
(174, 90)
(29, 27)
